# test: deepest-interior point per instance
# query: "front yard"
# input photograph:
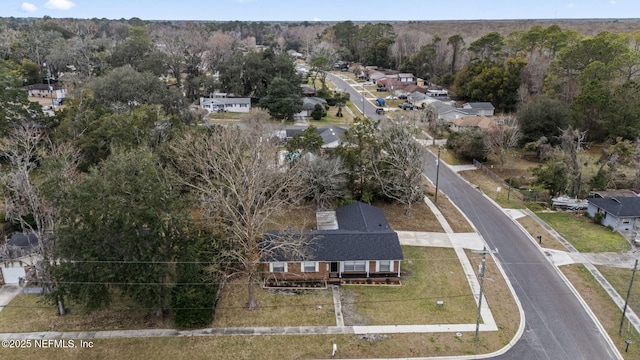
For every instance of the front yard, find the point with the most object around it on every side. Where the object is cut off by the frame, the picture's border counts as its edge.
(429, 275)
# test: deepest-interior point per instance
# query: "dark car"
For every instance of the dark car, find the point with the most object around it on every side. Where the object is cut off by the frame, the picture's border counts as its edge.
(406, 106)
(402, 97)
(382, 88)
(380, 111)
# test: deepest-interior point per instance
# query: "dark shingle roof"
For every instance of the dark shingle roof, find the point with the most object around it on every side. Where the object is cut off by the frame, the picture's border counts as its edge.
(362, 217)
(363, 234)
(622, 206)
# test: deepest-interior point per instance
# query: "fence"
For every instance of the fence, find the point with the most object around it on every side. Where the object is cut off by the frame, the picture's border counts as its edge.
(497, 178)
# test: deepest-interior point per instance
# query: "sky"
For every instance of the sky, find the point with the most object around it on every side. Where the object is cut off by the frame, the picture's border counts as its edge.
(322, 10)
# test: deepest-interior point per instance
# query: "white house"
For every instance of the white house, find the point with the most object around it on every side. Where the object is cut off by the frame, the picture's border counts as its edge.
(44, 90)
(220, 103)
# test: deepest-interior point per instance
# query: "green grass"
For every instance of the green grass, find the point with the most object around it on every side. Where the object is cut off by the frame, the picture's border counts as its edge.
(305, 307)
(583, 234)
(620, 279)
(431, 274)
(603, 306)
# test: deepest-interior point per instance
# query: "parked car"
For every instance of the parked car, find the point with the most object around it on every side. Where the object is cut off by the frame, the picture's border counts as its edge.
(391, 97)
(367, 83)
(402, 97)
(380, 111)
(344, 69)
(406, 106)
(382, 88)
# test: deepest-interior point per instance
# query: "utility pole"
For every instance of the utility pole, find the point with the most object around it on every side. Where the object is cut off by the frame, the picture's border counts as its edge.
(481, 275)
(626, 301)
(363, 113)
(435, 200)
(49, 84)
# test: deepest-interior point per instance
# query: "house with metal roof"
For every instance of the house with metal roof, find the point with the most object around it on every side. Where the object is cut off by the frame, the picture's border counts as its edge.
(354, 244)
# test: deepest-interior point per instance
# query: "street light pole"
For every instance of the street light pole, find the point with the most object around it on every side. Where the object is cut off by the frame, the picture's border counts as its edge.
(435, 199)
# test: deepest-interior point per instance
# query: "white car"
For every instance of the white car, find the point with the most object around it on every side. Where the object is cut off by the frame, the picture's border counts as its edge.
(391, 97)
(367, 83)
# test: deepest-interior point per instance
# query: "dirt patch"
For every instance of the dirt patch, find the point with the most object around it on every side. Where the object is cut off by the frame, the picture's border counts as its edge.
(419, 219)
(349, 314)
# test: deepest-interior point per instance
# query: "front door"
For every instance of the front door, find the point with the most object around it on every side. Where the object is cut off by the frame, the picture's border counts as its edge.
(333, 269)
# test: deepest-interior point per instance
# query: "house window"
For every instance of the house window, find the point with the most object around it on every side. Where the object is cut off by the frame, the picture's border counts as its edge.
(626, 221)
(309, 266)
(384, 266)
(355, 266)
(278, 267)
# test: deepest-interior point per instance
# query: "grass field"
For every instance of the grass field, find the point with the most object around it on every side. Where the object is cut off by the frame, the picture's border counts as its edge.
(276, 308)
(604, 308)
(490, 188)
(535, 229)
(620, 280)
(583, 234)
(430, 274)
(419, 219)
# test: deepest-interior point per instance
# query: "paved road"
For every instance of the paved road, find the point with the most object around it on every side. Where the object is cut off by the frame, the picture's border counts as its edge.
(356, 96)
(557, 325)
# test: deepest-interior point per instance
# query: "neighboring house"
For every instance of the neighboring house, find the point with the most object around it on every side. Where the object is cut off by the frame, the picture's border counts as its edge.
(353, 245)
(620, 213)
(44, 90)
(480, 108)
(308, 104)
(19, 249)
(223, 103)
(472, 122)
(449, 113)
(411, 88)
(407, 78)
(331, 136)
(308, 91)
(377, 76)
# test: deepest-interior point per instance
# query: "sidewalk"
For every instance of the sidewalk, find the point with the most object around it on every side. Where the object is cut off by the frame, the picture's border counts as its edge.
(457, 241)
(589, 261)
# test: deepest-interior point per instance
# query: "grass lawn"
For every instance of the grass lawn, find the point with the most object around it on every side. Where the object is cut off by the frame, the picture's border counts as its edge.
(490, 188)
(620, 278)
(583, 234)
(419, 219)
(264, 347)
(276, 308)
(535, 229)
(604, 308)
(430, 274)
(448, 156)
(28, 313)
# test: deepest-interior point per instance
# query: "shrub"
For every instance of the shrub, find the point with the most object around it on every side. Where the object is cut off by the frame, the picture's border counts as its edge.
(193, 304)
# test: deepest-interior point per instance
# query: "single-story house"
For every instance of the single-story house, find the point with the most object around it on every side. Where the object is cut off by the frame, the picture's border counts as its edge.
(472, 122)
(308, 90)
(407, 78)
(45, 90)
(354, 244)
(448, 112)
(620, 213)
(480, 108)
(230, 104)
(308, 104)
(331, 136)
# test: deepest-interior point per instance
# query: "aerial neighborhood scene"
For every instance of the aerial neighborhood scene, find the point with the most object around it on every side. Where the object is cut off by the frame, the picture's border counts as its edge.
(264, 179)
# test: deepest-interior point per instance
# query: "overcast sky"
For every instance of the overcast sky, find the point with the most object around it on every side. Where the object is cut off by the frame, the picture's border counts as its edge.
(322, 10)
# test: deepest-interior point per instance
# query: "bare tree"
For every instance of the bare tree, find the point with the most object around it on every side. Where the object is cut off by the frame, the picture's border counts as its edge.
(235, 174)
(35, 206)
(500, 138)
(326, 179)
(398, 169)
(429, 115)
